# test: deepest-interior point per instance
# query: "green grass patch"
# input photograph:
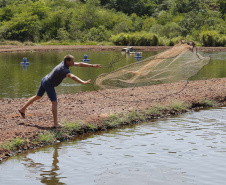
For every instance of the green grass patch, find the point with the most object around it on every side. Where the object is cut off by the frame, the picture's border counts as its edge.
(205, 103)
(134, 116)
(179, 106)
(208, 103)
(13, 144)
(92, 126)
(72, 127)
(113, 121)
(46, 137)
(155, 110)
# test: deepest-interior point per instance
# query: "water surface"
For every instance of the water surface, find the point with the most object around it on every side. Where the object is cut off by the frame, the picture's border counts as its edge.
(17, 81)
(189, 149)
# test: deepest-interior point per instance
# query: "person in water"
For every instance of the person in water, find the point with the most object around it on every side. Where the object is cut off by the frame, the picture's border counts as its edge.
(52, 80)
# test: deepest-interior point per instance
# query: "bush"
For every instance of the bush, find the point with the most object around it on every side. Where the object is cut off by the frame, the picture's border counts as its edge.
(175, 40)
(148, 23)
(163, 41)
(157, 29)
(212, 38)
(222, 41)
(121, 27)
(29, 43)
(62, 34)
(11, 42)
(98, 34)
(135, 39)
(171, 30)
(164, 17)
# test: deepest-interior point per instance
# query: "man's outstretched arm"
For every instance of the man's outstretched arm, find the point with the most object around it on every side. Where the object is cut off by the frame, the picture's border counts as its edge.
(83, 64)
(77, 79)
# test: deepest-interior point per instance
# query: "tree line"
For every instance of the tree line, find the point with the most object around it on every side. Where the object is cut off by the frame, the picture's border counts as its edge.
(122, 22)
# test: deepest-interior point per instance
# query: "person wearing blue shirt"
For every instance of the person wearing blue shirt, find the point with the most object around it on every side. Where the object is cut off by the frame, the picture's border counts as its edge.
(52, 80)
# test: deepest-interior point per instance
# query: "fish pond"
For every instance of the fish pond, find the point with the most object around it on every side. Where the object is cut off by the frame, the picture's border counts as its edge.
(19, 81)
(188, 149)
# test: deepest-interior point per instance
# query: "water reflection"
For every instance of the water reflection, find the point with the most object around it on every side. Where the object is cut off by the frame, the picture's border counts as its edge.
(24, 66)
(47, 174)
(52, 176)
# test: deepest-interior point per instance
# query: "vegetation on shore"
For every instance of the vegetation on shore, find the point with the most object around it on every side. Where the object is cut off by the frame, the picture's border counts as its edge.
(70, 130)
(119, 22)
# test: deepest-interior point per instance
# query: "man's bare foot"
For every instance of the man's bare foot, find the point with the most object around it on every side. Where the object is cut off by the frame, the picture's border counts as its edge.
(22, 113)
(58, 126)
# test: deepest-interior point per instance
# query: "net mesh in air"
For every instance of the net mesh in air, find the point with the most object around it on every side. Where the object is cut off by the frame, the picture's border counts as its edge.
(173, 65)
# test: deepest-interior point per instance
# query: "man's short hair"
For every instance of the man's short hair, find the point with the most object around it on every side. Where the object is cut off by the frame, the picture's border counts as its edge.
(68, 58)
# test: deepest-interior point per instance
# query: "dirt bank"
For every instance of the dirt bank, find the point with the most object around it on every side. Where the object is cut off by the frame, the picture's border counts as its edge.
(94, 106)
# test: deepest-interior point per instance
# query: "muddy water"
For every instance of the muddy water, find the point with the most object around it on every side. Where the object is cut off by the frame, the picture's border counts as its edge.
(189, 149)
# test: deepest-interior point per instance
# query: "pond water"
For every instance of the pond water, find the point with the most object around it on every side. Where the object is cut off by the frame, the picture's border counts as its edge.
(189, 149)
(17, 81)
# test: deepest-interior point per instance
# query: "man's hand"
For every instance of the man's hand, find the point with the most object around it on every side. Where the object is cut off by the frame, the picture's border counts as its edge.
(87, 82)
(96, 65)
(77, 79)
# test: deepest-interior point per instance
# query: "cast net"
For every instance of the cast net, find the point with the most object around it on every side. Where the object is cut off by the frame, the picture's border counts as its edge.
(173, 65)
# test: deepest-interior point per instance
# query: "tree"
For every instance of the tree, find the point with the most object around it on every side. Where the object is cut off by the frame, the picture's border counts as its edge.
(40, 9)
(6, 14)
(185, 6)
(90, 13)
(52, 23)
(22, 27)
(109, 4)
(164, 17)
(141, 7)
(148, 23)
(222, 6)
(2, 3)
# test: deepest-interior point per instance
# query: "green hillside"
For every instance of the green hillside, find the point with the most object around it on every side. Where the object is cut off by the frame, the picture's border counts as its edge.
(119, 22)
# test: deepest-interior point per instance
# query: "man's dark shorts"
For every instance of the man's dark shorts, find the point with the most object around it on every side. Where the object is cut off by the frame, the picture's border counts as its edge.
(48, 88)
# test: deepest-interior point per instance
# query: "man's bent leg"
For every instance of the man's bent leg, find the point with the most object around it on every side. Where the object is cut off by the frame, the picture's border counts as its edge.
(29, 102)
(39, 94)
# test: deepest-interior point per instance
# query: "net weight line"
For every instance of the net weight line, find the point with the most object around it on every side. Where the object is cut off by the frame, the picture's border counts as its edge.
(137, 101)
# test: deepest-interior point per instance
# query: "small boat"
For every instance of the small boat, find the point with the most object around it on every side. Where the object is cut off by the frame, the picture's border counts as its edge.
(130, 50)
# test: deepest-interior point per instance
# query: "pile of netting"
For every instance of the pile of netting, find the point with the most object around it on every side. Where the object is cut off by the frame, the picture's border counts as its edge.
(179, 63)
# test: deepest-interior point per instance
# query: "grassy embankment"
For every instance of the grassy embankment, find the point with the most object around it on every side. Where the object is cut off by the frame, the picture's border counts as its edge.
(54, 42)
